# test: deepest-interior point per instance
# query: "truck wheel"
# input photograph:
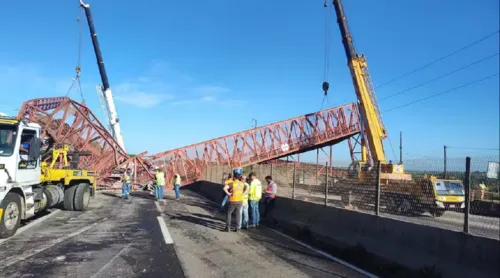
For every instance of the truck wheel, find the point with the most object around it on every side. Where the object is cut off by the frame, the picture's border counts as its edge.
(60, 190)
(52, 196)
(437, 212)
(10, 216)
(69, 197)
(82, 196)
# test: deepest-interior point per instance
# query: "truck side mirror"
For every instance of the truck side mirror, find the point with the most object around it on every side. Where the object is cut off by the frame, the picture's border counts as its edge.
(35, 148)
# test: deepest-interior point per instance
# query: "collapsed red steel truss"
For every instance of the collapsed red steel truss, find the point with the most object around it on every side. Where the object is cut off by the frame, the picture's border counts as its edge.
(264, 143)
(65, 121)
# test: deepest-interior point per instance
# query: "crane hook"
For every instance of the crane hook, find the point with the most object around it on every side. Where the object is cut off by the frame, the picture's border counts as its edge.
(326, 86)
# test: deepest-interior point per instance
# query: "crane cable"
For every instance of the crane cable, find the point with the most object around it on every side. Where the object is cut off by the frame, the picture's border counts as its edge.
(326, 65)
(76, 79)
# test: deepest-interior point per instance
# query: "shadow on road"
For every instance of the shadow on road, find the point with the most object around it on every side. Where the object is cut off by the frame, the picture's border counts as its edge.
(212, 224)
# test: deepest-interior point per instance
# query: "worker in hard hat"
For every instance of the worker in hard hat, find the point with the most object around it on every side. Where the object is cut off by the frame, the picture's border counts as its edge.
(125, 184)
(160, 184)
(235, 191)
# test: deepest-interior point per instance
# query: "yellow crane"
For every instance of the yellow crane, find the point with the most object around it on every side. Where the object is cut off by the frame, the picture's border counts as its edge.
(401, 193)
(373, 125)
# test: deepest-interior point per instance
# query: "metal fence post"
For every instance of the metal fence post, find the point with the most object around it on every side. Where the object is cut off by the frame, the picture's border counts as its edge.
(326, 185)
(293, 181)
(467, 195)
(377, 190)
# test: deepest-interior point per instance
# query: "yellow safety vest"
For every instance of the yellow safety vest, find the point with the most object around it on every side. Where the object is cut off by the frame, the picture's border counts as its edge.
(237, 192)
(255, 190)
(126, 177)
(160, 179)
(245, 195)
(177, 180)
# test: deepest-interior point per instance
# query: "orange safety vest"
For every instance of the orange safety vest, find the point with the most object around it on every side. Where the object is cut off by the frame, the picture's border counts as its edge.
(237, 192)
(269, 188)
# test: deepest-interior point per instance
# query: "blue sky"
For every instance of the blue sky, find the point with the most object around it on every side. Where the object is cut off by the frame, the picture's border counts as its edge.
(187, 71)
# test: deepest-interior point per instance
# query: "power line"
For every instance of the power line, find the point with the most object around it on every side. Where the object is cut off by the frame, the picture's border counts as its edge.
(441, 76)
(443, 92)
(466, 148)
(438, 60)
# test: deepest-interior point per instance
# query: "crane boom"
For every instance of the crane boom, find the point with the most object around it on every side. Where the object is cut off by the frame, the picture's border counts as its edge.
(374, 128)
(105, 89)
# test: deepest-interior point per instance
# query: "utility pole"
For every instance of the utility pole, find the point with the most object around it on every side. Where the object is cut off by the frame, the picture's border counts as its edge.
(401, 147)
(445, 162)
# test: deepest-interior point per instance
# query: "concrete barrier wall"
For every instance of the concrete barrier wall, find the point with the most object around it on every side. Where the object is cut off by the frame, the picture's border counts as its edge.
(412, 245)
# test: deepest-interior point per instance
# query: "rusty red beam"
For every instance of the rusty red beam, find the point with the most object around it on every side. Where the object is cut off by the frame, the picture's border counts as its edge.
(264, 143)
(65, 121)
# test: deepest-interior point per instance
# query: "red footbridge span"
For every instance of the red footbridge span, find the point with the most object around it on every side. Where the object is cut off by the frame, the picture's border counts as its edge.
(67, 122)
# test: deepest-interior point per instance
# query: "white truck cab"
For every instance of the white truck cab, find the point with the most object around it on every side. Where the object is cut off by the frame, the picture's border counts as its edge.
(20, 170)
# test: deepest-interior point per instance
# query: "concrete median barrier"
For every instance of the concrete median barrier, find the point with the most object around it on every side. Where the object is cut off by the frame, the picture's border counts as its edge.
(408, 244)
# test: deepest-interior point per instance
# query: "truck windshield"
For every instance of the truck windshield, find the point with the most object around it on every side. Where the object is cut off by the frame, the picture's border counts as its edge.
(8, 134)
(449, 187)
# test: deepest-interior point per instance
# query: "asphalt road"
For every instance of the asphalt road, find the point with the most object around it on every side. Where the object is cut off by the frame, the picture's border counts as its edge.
(114, 238)
(206, 251)
(483, 226)
(143, 238)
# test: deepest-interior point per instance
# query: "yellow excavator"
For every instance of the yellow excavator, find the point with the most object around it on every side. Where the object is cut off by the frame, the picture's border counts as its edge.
(401, 192)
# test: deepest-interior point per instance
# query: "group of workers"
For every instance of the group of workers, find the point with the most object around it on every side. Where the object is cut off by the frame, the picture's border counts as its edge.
(244, 195)
(160, 179)
(159, 185)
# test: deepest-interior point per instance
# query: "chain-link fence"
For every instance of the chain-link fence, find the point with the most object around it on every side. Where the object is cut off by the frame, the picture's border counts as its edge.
(456, 196)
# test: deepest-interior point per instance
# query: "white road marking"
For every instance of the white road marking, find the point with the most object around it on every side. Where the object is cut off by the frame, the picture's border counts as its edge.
(158, 207)
(32, 224)
(33, 252)
(112, 259)
(326, 255)
(164, 231)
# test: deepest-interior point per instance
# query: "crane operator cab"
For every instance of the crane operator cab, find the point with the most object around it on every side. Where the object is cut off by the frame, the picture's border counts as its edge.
(388, 171)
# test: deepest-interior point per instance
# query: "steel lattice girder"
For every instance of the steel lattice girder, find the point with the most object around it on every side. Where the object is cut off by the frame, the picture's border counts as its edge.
(264, 143)
(65, 121)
